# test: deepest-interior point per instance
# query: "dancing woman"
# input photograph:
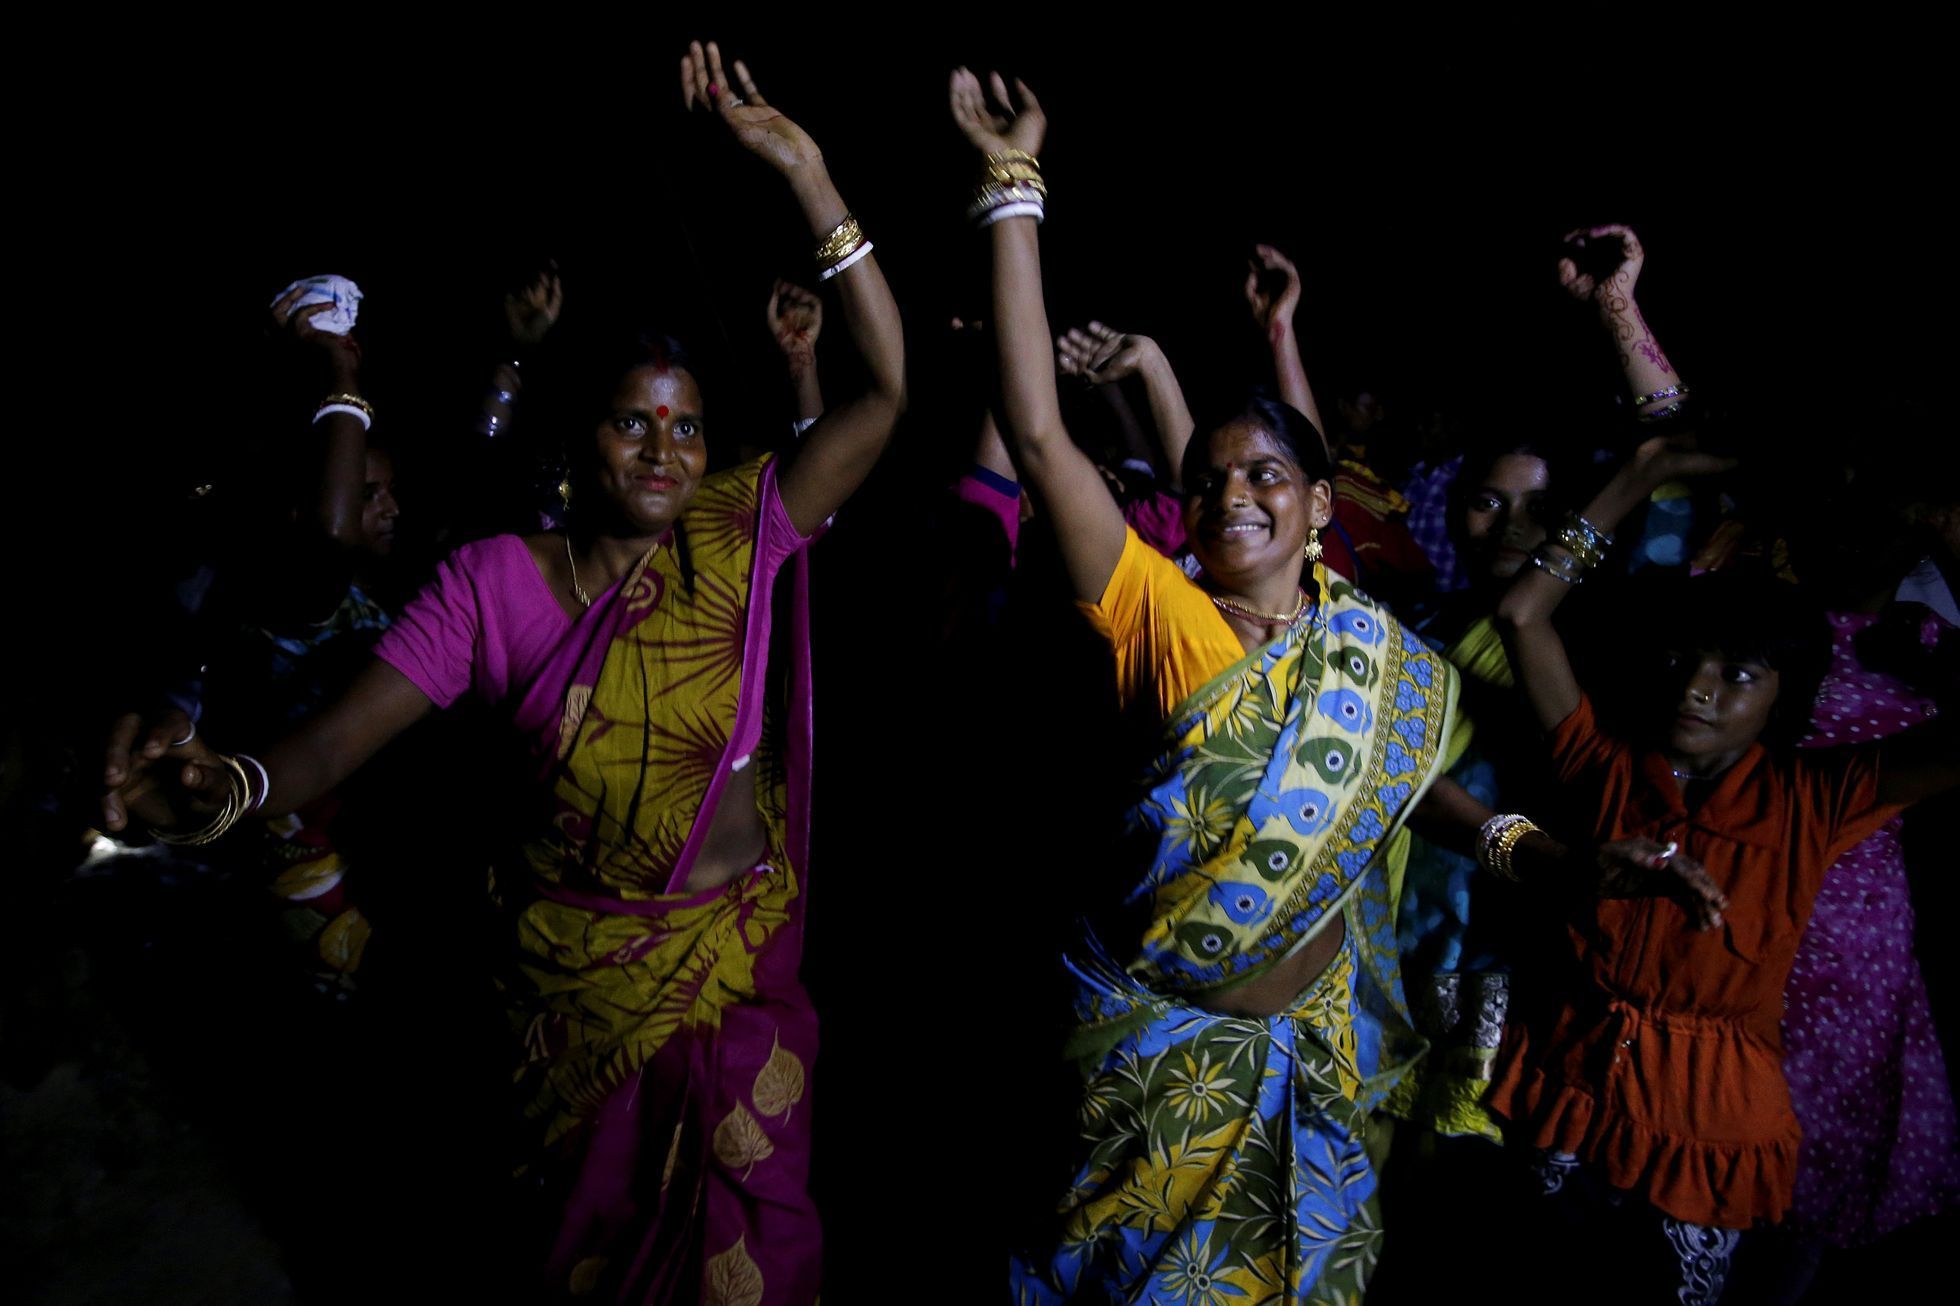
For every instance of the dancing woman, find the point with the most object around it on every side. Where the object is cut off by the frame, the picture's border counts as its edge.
(657, 900)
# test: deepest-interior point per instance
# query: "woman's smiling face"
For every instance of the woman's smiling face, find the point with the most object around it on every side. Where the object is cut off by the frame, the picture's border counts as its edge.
(1249, 510)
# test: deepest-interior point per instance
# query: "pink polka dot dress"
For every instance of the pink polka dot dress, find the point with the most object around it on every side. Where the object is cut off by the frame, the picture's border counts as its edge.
(1880, 1145)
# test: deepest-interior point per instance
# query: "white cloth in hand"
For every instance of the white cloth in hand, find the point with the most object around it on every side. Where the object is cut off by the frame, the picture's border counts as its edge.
(343, 294)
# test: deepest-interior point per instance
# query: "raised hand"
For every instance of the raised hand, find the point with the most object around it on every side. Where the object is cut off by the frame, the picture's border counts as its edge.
(760, 129)
(1641, 868)
(531, 312)
(1272, 288)
(1101, 354)
(341, 354)
(1611, 290)
(161, 773)
(795, 319)
(992, 121)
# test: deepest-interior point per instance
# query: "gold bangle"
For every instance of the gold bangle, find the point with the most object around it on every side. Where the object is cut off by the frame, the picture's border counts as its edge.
(353, 401)
(992, 196)
(1505, 845)
(843, 238)
(1013, 165)
(237, 803)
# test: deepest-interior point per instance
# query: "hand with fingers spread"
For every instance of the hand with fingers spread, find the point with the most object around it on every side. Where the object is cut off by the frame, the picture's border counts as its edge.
(1272, 289)
(795, 318)
(761, 129)
(1642, 868)
(159, 773)
(531, 312)
(1100, 354)
(995, 120)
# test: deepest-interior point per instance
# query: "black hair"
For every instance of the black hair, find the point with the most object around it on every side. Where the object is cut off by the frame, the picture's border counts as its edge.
(1483, 454)
(1746, 616)
(588, 373)
(1298, 437)
(579, 389)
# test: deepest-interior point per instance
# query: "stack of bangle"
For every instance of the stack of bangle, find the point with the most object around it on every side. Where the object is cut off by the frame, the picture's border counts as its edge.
(1672, 397)
(1582, 547)
(845, 245)
(1498, 840)
(352, 405)
(1012, 188)
(242, 798)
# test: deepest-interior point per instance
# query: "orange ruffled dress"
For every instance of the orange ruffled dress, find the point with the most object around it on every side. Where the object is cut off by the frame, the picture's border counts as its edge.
(1662, 1065)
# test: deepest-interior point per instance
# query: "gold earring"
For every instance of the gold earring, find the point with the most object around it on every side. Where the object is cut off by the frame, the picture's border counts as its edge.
(565, 491)
(1313, 549)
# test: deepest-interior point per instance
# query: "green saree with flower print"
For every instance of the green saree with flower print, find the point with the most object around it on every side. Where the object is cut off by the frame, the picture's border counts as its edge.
(1227, 1158)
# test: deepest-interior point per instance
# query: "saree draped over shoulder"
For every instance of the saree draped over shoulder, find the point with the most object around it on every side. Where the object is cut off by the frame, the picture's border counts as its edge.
(666, 1037)
(1228, 1157)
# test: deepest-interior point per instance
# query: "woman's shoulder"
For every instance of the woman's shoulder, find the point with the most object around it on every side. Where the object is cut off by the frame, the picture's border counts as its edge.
(495, 563)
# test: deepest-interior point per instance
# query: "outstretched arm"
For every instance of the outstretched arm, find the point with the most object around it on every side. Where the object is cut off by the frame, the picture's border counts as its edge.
(160, 773)
(844, 445)
(1088, 524)
(1628, 868)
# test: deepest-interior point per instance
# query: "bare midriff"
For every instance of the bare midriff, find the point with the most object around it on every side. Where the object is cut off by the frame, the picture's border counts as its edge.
(1279, 988)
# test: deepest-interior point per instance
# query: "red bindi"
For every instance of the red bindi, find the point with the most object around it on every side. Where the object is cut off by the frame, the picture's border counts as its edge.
(660, 411)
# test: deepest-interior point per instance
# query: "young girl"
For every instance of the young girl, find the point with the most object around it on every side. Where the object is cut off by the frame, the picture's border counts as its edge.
(1655, 1083)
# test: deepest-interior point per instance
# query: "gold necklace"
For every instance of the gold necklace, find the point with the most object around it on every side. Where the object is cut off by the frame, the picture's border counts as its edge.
(1269, 618)
(578, 590)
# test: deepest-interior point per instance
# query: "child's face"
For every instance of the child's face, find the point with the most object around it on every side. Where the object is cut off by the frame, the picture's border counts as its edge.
(1721, 704)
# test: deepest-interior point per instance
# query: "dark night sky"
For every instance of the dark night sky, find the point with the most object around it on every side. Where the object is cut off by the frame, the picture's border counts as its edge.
(1420, 175)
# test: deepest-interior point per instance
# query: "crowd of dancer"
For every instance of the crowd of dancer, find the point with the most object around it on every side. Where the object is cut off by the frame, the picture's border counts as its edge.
(1429, 898)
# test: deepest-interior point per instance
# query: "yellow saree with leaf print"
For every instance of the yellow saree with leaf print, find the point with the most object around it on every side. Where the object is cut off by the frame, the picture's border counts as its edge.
(667, 1038)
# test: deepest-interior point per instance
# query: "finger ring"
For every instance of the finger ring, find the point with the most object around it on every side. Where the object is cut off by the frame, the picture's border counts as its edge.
(189, 735)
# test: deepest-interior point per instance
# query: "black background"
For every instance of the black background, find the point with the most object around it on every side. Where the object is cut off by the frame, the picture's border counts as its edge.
(1784, 182)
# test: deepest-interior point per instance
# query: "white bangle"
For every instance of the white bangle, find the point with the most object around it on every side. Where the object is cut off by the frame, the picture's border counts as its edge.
(802, 424)
(844, 262)
(265, 781)
(1018, 209)
(367, 423)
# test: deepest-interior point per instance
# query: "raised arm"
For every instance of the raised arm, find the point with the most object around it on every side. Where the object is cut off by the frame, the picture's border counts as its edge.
(1525, 612)
(530, 312)
(795, 318)
(1088, 524)
(1104, 356)
(843, 446)
(1601, 267)
(333, 502)
(1272, 292)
